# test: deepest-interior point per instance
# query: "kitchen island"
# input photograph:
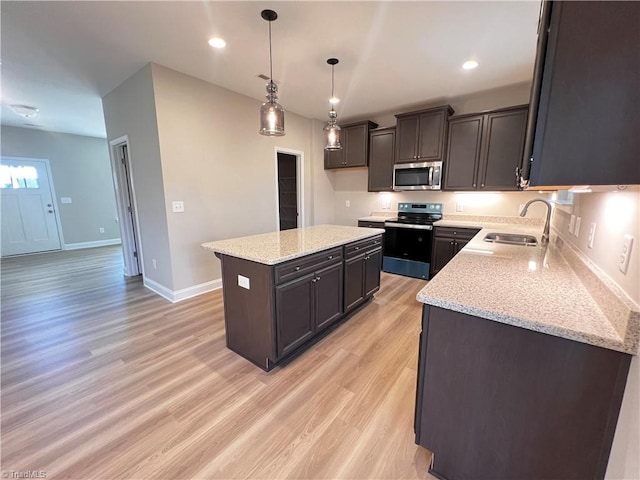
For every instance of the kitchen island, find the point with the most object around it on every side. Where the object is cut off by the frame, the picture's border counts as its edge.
(524, 356)
(284, 290)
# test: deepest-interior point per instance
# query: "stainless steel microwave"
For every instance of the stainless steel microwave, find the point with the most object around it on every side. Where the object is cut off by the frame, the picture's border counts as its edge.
(417, 176)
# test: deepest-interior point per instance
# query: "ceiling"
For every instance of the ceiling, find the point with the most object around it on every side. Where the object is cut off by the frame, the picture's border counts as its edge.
(62, 57)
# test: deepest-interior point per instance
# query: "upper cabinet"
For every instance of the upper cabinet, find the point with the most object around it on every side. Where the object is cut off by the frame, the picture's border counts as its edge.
(585, 119)
(421, 136)
(382, 150)
(355, 147)
(484, 150)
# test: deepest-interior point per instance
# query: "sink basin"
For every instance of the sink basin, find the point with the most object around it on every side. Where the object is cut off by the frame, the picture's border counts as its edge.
(511, 239)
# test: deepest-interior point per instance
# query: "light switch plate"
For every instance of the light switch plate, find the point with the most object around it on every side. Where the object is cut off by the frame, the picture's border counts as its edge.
(592, 234)
(576, 229)
(572, 224)
(65, 199)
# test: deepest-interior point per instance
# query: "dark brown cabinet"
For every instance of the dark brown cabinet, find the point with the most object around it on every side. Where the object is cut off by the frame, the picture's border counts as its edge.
(355, 147)
(586, 96)
(421, 136)
(363, 261)
(484, 150)
(382, 151)
(272, 311)
(447, 242)
(499, 401)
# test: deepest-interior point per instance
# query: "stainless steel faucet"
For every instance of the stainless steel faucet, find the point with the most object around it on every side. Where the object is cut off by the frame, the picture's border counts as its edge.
(545, 234)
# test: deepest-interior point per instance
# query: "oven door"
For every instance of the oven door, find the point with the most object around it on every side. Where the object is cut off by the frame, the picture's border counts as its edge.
(407, 249)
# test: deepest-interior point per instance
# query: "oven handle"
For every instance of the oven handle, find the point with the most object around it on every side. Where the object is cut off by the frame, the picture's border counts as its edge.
(408, 225)
(430, 176)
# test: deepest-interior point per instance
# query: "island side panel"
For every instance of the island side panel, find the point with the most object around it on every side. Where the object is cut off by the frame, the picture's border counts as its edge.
(249, 312)
(499, 401)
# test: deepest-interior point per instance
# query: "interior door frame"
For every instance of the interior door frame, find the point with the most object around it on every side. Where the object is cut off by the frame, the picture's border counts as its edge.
(54, 197)
(126, 231)
(299, 184)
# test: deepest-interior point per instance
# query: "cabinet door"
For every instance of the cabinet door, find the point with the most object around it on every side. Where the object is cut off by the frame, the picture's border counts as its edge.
(502, 149)
(382, 150)
(430, 135)
(372, 264)
(356, 145)
(407, 139)
(294, 313)
(353, 282)
(334, 158)
(441, 254)
(463, 153)
(328, 295)
(589, 108)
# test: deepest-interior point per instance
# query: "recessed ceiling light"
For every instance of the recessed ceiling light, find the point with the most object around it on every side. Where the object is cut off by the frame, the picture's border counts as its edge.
(334, 100)
(217, 42)
(469, 64)
(24, 110)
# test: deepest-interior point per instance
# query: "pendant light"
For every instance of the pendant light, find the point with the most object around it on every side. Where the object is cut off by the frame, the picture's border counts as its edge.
(271, 113)
(332, 129)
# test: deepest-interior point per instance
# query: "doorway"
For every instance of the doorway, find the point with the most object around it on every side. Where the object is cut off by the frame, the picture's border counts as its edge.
(30, 223)
(287, 191)
(126, 204)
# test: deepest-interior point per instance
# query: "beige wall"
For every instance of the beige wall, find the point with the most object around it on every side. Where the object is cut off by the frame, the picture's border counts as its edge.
(81, 170)
(129, 109)
(615, 214)
(214, 160)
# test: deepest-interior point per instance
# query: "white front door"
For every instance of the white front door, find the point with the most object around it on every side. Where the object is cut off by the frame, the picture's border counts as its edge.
(29, 222)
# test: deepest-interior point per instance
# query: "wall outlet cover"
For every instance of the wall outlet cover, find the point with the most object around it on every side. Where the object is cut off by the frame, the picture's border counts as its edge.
(177, 206)
(576, 229)
(572, 224)
(625, 255)
(459, 207)
(348, 203)
(244, 282)
(592, 235)
(65, 200)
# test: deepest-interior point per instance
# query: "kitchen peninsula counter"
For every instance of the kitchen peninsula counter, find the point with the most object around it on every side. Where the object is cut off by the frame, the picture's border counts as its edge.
(285, 290)
(524, 357)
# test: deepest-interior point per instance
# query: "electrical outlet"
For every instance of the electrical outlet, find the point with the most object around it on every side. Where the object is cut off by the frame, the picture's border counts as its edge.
(572, 224)
(576, 230)
(459, 206)
(347, 203)
(65, 200)
(623, 262)
(244, 282)
(592, 234)
(177, 206)
(101, 230)
(154, 263)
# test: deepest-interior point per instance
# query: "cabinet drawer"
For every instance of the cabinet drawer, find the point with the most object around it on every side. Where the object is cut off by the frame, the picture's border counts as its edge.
(303, 265)
(453, 232)
(356, 248)
(368, 224)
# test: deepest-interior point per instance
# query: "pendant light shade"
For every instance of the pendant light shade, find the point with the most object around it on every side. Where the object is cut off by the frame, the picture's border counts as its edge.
(271, 113)
(331, 129)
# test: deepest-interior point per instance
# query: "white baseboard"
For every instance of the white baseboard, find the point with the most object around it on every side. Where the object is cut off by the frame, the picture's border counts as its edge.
(98, 243)
(178, 295)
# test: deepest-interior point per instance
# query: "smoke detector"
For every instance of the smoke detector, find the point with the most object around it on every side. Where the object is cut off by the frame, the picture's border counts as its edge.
(24, 110)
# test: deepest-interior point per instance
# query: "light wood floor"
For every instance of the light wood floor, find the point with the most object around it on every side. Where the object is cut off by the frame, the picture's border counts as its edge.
(103, 379)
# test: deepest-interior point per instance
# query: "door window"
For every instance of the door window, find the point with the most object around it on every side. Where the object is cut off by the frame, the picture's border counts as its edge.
(18, 176)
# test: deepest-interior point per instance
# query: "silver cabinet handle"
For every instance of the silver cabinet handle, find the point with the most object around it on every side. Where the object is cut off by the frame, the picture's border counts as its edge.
(297, 268)
(330, 257)
(357, 248)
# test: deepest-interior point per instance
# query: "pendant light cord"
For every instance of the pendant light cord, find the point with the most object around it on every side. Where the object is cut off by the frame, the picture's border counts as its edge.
(270, 57)
(332, 84)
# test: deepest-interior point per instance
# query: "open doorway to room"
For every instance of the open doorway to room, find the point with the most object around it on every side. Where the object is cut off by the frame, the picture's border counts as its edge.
(289, 188)
(126, 204)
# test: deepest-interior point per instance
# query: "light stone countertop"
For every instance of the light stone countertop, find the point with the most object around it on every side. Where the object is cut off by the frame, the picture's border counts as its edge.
(277, 247)
(529, 287)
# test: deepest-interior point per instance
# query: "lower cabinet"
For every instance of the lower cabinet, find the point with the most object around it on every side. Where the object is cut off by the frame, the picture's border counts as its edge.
(306, 305)
(447, 242)
(503, 402)
(361, 274)
(271, 311)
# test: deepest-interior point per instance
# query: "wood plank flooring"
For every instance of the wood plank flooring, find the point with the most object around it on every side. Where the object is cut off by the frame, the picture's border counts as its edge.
(103, 379)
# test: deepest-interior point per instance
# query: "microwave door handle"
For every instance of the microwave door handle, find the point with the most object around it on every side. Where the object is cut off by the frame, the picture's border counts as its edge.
(430, 176)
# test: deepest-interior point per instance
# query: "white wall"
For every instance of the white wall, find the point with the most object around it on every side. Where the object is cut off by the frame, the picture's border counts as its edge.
(129, 109)
(214, 160)
(615, 214)
(81, 170)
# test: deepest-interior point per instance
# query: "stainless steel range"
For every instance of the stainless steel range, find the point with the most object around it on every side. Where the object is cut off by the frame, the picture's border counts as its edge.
(408, 239)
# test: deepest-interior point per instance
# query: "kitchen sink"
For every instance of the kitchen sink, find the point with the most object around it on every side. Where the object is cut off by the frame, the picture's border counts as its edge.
(511, 239)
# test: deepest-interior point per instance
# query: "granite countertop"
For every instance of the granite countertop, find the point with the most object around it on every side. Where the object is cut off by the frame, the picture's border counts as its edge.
(537, 288)
(277, 247)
